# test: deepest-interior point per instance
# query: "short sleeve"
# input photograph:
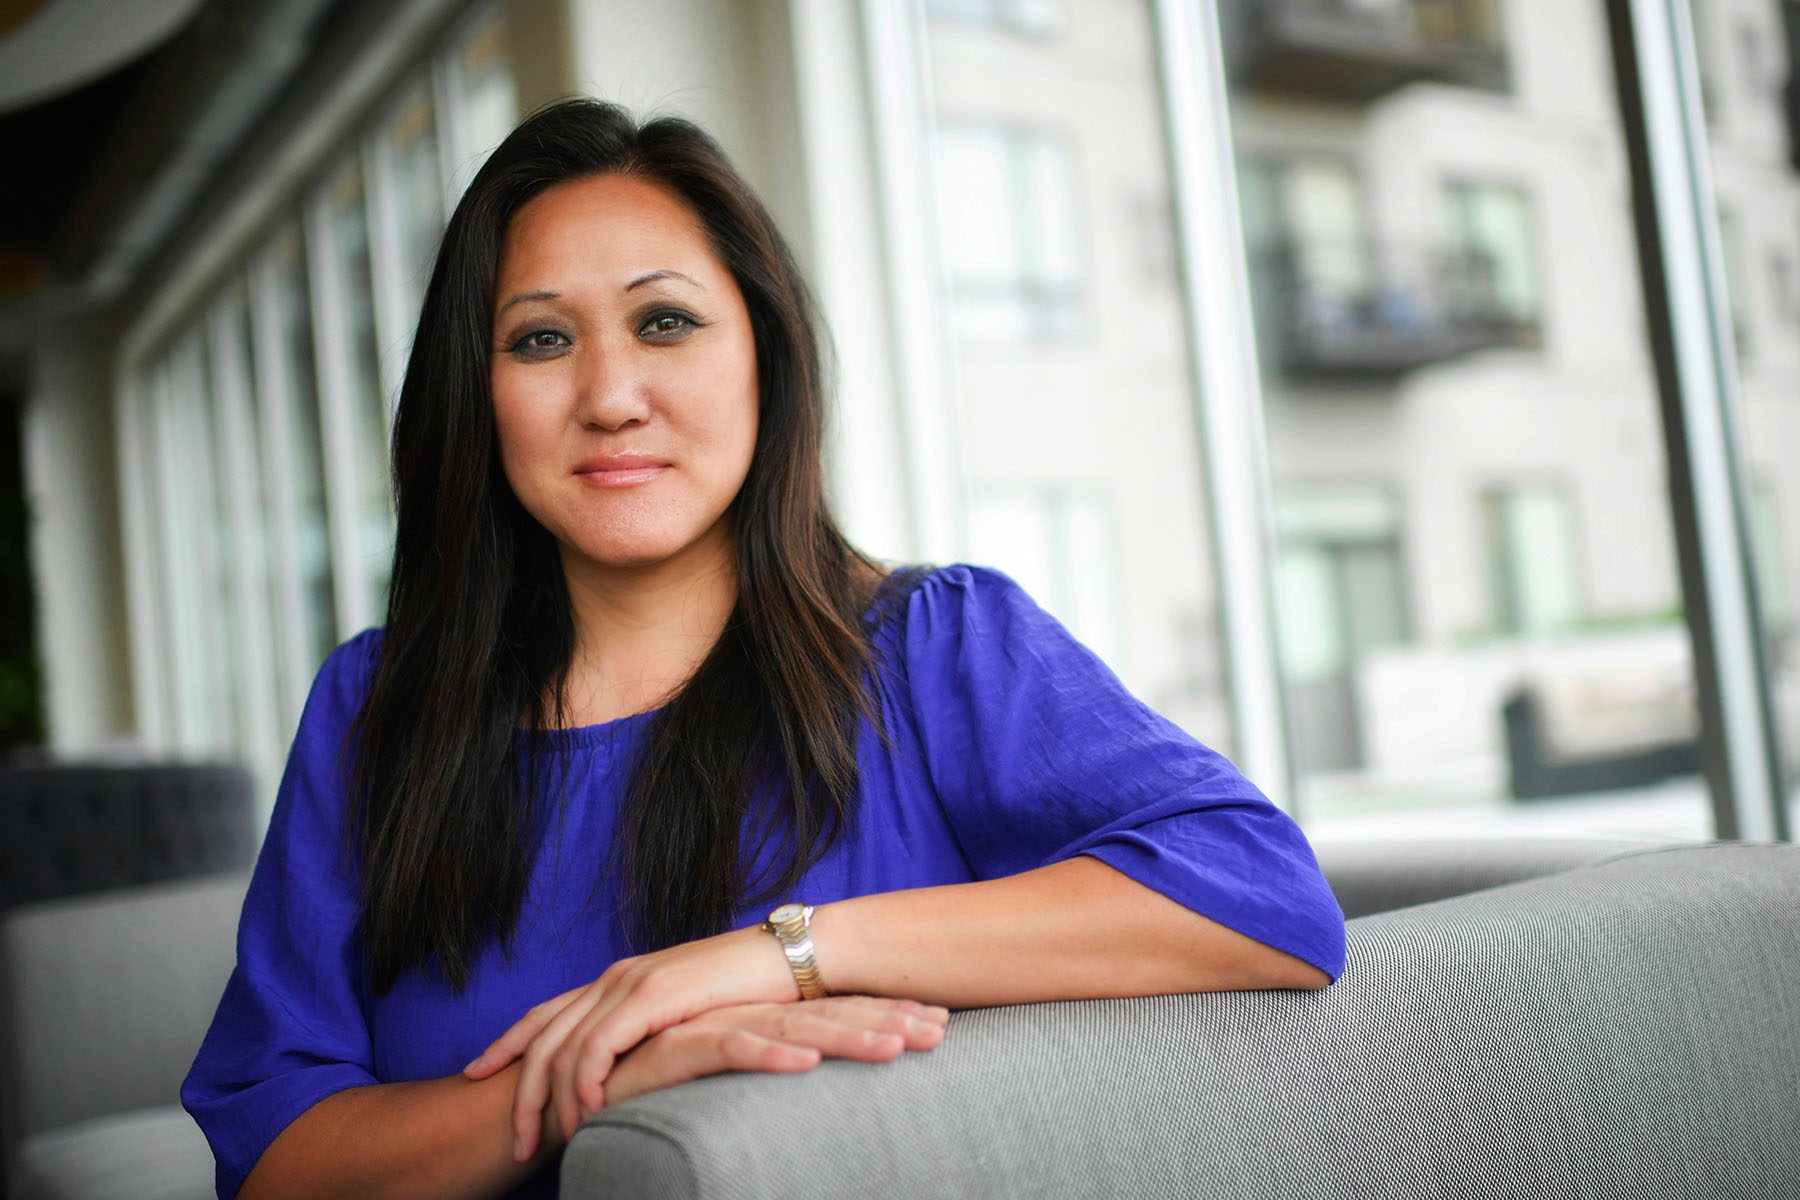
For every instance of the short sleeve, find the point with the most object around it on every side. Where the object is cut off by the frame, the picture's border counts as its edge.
(290, 1028)
(1038, 753)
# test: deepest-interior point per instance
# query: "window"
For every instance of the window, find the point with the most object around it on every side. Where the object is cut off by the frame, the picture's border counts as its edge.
(1341, 594)
(263, 421)
(349, 357)
(1007, 217)
(294, 452)
(1533, 578)
(1493, 253)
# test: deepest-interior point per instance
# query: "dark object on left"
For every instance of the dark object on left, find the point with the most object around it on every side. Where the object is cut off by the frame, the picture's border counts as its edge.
(72, 829)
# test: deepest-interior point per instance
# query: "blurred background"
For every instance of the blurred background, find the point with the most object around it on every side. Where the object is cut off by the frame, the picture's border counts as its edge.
(1300, 355)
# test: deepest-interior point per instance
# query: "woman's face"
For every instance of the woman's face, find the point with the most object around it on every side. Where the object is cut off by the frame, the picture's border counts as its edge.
(623, 372)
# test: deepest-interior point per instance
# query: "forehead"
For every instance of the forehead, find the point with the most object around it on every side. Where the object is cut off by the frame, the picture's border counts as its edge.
(605, 221)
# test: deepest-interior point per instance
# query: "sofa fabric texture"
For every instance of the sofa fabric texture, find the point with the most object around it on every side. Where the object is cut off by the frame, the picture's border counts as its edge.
(1623, 1030)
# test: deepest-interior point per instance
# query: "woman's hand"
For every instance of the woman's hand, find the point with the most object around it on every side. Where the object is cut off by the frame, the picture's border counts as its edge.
(570, 1042)
(776, 1038)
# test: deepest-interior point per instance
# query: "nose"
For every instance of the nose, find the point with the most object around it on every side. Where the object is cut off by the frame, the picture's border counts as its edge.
(612, 388)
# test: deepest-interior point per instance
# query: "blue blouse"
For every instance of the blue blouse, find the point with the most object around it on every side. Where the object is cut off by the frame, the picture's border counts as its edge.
(1014, 747)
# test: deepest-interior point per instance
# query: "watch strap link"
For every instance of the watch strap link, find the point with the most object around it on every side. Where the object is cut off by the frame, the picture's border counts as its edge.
(794, 934)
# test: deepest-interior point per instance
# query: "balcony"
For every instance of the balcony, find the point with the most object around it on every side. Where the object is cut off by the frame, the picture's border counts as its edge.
(1361, 50)
(1369, 313)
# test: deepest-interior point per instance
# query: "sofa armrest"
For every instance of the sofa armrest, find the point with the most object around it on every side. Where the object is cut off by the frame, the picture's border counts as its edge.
(1616, 1031)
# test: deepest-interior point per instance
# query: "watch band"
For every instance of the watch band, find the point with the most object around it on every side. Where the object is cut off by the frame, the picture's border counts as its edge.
(791, 925)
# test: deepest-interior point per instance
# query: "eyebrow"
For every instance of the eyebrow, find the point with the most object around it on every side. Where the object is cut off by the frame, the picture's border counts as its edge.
(647, 277)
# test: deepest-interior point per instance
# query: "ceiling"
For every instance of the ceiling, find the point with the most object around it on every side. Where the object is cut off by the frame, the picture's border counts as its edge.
(115, 115)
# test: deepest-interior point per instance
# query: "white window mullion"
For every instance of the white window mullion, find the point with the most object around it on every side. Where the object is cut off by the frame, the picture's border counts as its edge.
(206, 614)
(280, 491)
(178, 586)
(336, 418)
(148, 685)
(252, 655)
(1227, 386)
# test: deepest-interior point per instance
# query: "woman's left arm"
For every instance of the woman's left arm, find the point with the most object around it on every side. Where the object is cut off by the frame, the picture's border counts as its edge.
(1076, 929)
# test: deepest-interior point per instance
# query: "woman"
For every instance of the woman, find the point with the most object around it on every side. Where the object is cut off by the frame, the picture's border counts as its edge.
(618, 597)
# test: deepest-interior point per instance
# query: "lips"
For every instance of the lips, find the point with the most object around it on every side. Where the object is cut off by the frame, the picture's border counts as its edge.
(620, 462)
(621, 470)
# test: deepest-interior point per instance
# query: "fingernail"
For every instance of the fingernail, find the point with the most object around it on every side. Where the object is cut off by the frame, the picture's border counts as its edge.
(471, 1065)
(518, 1148)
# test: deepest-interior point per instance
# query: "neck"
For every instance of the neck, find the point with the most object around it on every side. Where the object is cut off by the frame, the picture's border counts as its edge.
(641, 631)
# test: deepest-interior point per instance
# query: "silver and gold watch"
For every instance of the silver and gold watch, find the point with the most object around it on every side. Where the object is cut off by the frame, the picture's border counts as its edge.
(791, 925)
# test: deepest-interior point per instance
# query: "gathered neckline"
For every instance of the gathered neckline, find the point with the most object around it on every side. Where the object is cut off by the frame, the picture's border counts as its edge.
(588, 735)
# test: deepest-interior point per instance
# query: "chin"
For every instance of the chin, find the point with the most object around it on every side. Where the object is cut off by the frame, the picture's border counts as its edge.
(626, 552)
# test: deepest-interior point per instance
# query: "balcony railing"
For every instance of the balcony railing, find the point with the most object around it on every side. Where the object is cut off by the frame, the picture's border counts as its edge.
(1371, 313)
(1361, 50)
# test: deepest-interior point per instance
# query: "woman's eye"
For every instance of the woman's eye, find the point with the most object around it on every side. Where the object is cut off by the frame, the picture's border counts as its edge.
(668, 323)
(540, 343)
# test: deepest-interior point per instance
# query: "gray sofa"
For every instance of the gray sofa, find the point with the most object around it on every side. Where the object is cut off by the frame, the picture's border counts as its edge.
(1628, 1029)
(1603, 1019)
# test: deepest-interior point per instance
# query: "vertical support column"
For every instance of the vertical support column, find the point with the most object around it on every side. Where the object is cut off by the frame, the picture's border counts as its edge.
(1227, 386)
(1696, 375)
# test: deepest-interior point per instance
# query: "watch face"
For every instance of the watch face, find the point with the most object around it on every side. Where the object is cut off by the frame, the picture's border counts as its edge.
(786, 913)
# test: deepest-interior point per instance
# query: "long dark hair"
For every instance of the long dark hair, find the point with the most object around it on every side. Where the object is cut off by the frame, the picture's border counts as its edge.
(446, 789)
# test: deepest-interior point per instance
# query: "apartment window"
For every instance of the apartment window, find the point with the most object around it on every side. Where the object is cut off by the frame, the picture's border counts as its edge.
(1533, 568)
(1340, 594)
(1009, 234)
(1321, 200)
(1022, 18)
(1492, 258)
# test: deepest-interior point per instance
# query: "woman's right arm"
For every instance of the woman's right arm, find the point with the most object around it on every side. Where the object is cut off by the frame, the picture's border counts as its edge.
(447, 1137)
(453, 1137)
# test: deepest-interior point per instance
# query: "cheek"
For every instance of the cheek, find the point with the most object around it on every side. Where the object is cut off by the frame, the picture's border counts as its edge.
(522, 440)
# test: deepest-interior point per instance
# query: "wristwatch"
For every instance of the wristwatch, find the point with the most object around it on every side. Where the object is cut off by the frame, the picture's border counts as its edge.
(791, 925)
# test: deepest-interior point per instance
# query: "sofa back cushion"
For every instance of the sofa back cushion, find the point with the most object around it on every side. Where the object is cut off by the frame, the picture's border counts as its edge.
(72, 828)
(1379, 876)
(106, 997)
